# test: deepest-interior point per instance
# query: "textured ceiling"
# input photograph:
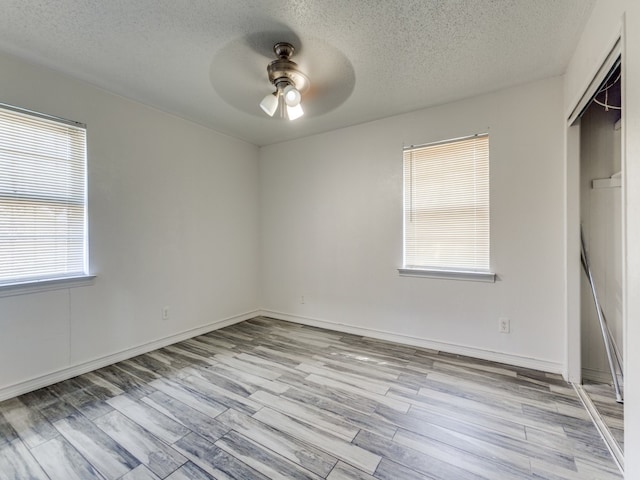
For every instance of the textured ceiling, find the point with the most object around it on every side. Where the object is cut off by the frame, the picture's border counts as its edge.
(206, 60)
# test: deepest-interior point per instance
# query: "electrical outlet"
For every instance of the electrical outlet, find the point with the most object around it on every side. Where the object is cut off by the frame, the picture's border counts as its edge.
(165, 313)
(302, 299)
(504, 325)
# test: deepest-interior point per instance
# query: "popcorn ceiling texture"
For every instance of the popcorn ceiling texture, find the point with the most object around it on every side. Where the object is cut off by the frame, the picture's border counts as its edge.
(376, 57)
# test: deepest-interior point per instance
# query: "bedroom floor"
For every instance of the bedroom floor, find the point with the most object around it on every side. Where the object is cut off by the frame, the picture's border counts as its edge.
(603, 397)
(272, 399)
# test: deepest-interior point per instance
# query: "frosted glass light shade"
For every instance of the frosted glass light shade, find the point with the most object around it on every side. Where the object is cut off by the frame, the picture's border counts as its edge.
(270, 104)
(294, 112)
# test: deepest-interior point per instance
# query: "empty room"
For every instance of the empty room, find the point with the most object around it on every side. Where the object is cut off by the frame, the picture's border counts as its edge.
(317, 239)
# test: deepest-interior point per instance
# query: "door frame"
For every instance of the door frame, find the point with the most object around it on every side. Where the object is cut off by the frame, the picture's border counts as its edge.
(573, 330)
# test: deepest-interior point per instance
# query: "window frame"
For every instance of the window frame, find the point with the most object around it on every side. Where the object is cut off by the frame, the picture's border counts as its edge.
(450, 273)
(61, 280)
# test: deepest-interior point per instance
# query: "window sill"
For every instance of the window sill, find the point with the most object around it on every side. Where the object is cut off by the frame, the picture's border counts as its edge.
(472, 276)
(35, 286)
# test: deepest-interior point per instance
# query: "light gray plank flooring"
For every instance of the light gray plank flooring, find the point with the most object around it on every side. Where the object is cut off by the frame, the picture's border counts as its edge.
(612, 412)
(266, 399)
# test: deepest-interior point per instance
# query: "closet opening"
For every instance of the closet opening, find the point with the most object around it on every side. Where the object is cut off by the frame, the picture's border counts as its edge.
(601, 217)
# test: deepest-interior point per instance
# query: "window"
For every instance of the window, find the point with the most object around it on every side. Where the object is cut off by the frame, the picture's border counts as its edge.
(446, 209)
(42, 197)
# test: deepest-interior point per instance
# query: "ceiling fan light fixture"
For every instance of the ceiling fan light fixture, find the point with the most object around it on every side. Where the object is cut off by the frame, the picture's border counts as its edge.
(290, 85)
(269, 103)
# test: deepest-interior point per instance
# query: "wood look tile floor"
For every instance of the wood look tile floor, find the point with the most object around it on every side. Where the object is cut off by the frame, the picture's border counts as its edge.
(604, 398)
(271, 399)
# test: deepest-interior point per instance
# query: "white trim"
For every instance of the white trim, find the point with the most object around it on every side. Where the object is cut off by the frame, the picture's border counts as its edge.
(601, 426)
(573, 270)
(480, 353)
(84, 367)
(605, 67)
(36, 286)
(488, 277)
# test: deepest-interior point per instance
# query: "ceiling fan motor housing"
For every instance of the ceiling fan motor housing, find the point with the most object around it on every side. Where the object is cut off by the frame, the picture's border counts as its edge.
(283, 71)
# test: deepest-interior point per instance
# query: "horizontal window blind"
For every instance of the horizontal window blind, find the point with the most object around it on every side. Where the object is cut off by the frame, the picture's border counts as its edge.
(42, 197)
(446, 205)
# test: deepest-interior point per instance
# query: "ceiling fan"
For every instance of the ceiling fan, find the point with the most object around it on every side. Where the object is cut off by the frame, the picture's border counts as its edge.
(290, 84)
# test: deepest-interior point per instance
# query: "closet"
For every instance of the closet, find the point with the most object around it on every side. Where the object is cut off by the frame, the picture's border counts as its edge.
(601, 219)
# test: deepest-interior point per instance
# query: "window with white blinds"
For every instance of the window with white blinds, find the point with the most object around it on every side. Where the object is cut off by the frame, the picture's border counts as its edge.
(42, 197)
(446, 205)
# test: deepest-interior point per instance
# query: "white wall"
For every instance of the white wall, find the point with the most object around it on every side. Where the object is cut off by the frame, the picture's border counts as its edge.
(331, 212)
(173, 221)
(605, 23)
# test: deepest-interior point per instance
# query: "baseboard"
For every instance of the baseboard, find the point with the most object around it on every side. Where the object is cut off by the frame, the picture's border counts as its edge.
(484, 354)
(84, 367)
